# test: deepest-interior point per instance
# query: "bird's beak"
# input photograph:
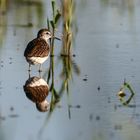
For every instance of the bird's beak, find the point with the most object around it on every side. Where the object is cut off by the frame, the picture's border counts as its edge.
(56, 38)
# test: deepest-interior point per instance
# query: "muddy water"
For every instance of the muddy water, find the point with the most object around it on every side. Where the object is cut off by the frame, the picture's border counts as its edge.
(107, 52)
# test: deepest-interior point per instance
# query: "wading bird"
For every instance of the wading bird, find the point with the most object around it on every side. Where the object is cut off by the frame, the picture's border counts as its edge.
(38, 50)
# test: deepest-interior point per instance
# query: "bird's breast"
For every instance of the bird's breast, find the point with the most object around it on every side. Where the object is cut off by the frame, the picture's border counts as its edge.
(36, 60)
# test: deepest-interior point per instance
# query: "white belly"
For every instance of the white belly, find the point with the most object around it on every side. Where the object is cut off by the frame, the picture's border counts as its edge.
(36, 60)
(39, 82)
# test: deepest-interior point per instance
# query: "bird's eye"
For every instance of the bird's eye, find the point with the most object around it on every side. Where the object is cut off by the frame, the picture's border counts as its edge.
(47, 33)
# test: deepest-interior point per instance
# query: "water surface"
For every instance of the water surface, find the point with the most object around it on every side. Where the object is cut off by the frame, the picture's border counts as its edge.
(107, 52)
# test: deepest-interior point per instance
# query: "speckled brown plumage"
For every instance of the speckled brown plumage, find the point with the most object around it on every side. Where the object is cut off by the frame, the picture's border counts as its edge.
(37, 48)
(36, 94)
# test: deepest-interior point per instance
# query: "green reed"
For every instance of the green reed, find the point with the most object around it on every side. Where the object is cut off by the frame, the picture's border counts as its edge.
(3, 20)
(52, 24)
(68, 9)
(3, 6)
(68, 64)
(66, 15)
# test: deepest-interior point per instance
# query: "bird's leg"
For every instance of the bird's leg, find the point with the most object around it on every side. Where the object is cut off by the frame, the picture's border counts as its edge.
(29, 74)
(40, 68)
(40, 76)
(29, 68)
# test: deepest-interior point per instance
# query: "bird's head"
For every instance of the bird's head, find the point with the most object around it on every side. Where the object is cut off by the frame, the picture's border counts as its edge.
(45, 34)
(43, 106)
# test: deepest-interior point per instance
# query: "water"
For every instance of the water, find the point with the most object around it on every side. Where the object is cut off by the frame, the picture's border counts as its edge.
(107, 52)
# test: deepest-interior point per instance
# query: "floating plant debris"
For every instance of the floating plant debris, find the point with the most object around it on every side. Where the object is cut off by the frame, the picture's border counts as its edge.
(13, 115)
(85, 79)
(98, 88)
(2, 118)
(11, 108)
(74, 55)
(126, 93)
(91, 117)
(121, 94)
(118, 127)
(98, 118)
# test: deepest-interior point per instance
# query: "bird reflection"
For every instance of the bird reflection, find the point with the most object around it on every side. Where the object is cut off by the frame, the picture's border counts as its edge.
(36, 90)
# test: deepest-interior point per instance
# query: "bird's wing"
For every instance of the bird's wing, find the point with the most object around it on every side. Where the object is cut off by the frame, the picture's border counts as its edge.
(37, 47)
(36, 94)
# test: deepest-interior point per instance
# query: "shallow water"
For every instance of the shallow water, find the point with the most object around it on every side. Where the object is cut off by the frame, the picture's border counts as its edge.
(107, 52)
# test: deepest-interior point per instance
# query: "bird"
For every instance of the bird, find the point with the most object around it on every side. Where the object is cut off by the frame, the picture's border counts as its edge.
(36, 90)
(38, 49)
